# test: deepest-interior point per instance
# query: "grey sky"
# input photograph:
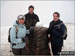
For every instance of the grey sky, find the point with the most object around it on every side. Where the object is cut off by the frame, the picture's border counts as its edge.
(44, 9)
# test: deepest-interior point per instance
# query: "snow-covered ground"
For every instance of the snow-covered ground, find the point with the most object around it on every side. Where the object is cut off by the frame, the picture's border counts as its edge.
(68, 43)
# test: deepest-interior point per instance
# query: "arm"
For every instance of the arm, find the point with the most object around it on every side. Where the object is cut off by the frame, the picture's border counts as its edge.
(13, 36)
(37, 19)
(48, 31)
(50, 28)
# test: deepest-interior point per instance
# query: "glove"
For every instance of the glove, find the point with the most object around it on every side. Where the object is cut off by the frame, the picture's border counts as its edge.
(23, 39)
(13, 44)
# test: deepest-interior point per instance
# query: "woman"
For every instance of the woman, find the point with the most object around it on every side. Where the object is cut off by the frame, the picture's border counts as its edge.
(17, 36)
(56, 30)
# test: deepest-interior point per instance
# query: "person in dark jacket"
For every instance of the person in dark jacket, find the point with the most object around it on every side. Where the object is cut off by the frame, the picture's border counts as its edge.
(56, 30)
(31, 17)
(31, 20)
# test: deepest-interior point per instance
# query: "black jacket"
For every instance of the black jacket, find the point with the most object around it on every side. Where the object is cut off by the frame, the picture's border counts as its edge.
(56, 31)
(31, 20)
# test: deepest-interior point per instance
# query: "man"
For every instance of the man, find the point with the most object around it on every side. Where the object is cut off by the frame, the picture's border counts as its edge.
(57, 31)
(31, 18)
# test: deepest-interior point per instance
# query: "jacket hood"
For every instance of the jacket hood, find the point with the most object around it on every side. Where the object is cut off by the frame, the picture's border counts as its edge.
(16, 24)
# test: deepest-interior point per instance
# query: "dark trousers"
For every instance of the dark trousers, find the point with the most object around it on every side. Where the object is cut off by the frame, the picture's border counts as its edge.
(19, 52)
(56, 50)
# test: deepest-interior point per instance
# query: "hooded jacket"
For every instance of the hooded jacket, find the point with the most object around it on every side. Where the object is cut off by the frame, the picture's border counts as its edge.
(21, 33)
(56, 33)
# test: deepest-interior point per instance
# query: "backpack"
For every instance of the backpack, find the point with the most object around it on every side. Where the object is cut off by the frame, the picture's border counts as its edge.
(65, 33)
(9, 34)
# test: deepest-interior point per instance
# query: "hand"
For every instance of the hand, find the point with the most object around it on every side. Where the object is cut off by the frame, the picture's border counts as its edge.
(23, 39)
(31, 30)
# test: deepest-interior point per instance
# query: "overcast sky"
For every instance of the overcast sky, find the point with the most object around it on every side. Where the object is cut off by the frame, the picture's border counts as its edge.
(44, 9)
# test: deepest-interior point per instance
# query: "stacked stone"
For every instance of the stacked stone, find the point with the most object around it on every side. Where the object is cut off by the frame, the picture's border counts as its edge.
(38, 42)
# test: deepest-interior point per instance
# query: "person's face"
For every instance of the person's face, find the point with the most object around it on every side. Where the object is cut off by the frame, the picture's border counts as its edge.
(31, 10)
(21, 21)
(55, 17)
